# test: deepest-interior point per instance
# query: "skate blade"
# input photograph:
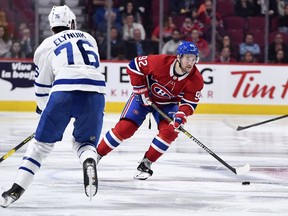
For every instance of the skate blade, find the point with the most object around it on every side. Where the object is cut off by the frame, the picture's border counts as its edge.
(142, 175)
(91, 188)
(7, 201)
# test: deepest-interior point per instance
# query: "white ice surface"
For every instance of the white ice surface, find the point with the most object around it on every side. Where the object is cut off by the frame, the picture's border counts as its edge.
(186, 180)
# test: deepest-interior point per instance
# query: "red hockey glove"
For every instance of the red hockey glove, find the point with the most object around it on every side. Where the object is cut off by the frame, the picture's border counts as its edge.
(179, 119)
(142, 95)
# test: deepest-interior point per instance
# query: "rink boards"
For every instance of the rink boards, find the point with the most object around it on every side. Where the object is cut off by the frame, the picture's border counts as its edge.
(228, 89)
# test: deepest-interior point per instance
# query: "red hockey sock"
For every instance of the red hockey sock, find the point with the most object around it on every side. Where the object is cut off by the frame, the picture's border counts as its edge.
(161, 142)
(103, 149)
(152, 154)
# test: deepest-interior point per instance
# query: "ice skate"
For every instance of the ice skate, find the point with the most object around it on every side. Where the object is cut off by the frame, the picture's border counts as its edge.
(144, 169)
(10, 196)
(90, 177)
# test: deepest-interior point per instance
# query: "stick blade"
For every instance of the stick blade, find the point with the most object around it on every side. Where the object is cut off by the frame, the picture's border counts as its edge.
(239, 128)
(243, 170)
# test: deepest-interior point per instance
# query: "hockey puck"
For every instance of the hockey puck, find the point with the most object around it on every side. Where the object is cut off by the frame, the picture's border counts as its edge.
(246, 183)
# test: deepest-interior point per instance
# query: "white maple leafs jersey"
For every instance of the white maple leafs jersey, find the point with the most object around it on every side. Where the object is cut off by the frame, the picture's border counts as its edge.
(67, 61)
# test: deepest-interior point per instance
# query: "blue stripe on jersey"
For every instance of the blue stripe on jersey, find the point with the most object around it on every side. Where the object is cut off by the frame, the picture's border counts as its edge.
(110, 139)
(132, 65)
(79, 81)
(33, 161)
(139, 87)
(41, 95)
(42, 85)
(194, 105)
(159, 144)
(26, 169)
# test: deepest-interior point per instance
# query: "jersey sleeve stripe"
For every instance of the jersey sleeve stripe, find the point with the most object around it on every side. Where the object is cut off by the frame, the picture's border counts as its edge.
(79, 81)
(42, 85)
(41, 95)
(133, 67)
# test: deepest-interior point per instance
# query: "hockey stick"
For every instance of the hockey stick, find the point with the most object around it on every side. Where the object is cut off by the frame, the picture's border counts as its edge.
(9, 153)
(239, 128)
(238, 171)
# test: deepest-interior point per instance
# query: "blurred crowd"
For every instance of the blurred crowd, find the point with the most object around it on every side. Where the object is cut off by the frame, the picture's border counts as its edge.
(135, 30)
(17, 21)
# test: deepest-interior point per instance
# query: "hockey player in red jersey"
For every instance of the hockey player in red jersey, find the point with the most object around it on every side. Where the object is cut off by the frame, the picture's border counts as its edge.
(173, 83)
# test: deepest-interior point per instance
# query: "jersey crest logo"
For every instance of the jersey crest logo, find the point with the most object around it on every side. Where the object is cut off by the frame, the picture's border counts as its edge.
(160, 91)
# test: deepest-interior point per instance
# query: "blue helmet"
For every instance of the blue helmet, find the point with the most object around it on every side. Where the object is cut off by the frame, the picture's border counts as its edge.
(186, 47)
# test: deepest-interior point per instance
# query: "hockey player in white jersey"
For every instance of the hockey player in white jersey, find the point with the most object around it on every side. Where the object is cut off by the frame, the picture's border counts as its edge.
(68, 84)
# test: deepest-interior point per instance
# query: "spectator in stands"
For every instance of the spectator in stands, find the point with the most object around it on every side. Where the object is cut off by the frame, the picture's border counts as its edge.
(206, 17)
(248, 57)
(220, 32)
(118, 49)
(100, 15)
(19, 33)
(130, 26)
(102, 45)
(7, 25)
(197, 24)
(129, 8)
(137, 46)
(281, 7)
(15, 51)
(187, 27)
(171, 46)
(202, 44)
(202, 7)
(226, 42)
(186, 6)
(225, 56)
(27, 43)
(283, 21)
(281, 57)
(5, 41)
(249, 45)
(262, 5)
(276, 45)
(117, 45)
(244, 8)
(102, 27)
(183, 7)
(138, 5)
(168, 27)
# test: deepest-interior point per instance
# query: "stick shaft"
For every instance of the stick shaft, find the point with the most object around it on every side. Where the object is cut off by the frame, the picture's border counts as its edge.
(195, 140)
(10, 152)
(260, 123)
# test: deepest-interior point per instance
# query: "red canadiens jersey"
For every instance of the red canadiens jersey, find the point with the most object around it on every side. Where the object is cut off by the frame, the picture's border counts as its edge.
(157, 73)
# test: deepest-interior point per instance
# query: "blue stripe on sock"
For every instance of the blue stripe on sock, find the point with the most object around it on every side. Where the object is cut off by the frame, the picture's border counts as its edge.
(26, 169)
(112, 141)
(83, 152)
(33, 161)
(85, 144)
(160, 145)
